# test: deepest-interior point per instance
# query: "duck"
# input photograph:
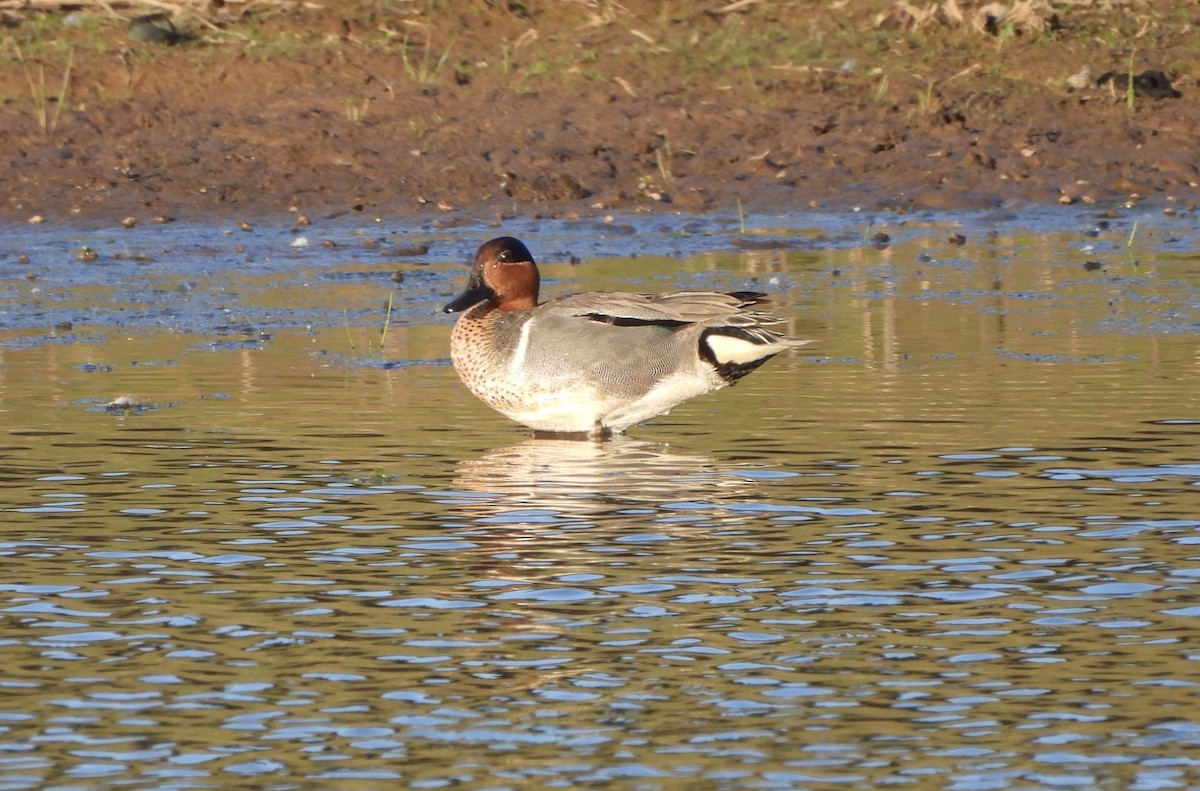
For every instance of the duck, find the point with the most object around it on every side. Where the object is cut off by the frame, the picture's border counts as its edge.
(595, 364)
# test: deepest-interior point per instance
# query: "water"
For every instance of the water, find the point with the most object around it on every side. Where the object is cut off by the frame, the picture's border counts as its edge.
(954, 544)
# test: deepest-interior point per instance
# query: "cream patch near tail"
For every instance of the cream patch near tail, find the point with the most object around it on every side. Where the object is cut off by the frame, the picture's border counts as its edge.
(736, 352)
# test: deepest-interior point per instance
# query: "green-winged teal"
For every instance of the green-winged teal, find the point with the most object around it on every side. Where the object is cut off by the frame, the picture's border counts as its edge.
(600, 362)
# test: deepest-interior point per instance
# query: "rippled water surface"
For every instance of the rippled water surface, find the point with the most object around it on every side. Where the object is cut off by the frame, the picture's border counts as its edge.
(255, 537)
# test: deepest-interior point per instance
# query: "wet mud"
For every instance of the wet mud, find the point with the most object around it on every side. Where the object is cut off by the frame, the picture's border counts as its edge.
(524, 111)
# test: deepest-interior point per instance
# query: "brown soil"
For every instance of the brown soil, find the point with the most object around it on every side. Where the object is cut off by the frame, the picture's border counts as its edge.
(561, 107)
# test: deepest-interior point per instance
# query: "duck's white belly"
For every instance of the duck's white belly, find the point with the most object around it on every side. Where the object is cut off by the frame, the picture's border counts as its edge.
(583, 407)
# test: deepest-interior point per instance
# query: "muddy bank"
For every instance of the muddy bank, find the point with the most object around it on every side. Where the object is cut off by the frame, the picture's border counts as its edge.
(559, 109)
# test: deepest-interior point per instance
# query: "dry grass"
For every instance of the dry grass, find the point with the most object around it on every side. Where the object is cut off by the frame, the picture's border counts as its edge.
(37, 90)
(1028, 16)
(195, 9)
(993, 18)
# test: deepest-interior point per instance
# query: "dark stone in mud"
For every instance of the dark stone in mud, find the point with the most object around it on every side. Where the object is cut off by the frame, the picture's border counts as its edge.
(546, 187)
(1152, 84)
(156, 28)
(405, 251)
(951, 199)
(744, 243)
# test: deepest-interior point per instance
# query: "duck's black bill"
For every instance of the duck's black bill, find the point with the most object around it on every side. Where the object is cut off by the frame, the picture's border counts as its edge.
(476, 292)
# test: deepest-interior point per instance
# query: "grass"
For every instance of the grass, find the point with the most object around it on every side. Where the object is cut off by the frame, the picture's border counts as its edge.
(593, 40)
(387, 320)
(1129, 245)
(424, 70)
(356, 111)
(664, 161)
(47, 122)
(881, 89)
(536, 68)
(1130, 93)
(375, 478)
(1006, 34)
(925, 96)
(421, 126)
(372, 348)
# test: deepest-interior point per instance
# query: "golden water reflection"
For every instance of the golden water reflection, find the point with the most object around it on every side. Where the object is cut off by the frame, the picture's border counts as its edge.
(956, 545)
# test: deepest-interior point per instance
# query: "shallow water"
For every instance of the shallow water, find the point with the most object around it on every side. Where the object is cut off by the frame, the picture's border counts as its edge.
(955, 543)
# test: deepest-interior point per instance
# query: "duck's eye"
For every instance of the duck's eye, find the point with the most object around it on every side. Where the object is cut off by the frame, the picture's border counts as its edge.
(505, 256)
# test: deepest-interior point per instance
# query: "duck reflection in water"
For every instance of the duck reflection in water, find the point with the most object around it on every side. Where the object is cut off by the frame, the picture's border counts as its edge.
(569, 480)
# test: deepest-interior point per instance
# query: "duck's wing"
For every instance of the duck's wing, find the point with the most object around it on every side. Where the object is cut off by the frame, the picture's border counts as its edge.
(634, 342)
(671, 309)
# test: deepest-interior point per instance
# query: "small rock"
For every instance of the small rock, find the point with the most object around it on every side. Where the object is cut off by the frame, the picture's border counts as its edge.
(154, 28)
(121, 404)
(1080, 79)
(405, 251)
(1152, 84)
